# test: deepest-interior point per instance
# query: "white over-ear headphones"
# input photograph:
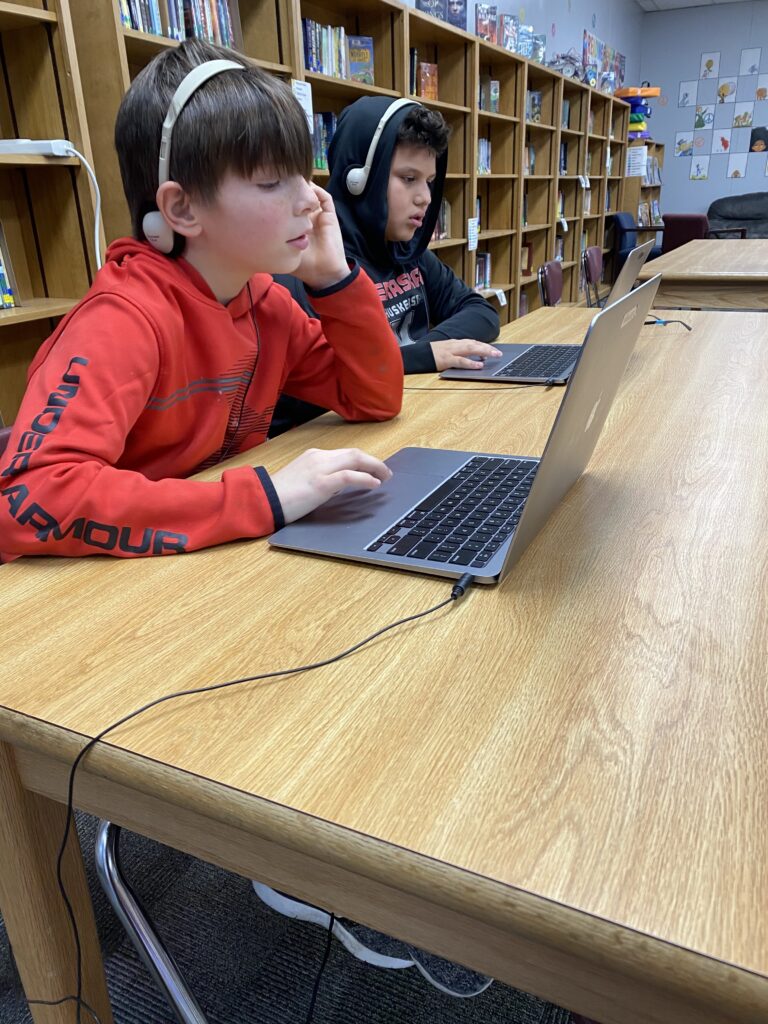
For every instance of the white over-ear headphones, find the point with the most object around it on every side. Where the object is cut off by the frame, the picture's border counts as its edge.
(357, 177)
(156, 228)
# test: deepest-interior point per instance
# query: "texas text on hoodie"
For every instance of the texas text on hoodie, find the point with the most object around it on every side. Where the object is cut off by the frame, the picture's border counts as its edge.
(150, 379)
(422, 297)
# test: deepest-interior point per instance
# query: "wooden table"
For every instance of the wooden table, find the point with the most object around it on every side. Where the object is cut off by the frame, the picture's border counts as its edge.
(561, 781)
(729, 273)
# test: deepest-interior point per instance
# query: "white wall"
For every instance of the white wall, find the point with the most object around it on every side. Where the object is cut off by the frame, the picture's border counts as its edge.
(673, 43)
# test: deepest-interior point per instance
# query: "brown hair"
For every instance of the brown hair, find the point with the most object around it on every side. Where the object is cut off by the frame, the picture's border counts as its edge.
(236, 122)
(424, 127)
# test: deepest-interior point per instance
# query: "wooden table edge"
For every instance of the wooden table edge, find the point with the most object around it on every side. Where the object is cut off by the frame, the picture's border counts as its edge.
(559, 952)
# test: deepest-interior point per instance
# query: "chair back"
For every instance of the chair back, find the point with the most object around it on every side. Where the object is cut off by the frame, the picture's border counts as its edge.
(625, 230)
(592, 265)
(5, 433)
(680, 228)
(550, 278)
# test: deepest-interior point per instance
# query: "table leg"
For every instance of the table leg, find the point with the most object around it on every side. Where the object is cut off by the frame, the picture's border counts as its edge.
(34, 912)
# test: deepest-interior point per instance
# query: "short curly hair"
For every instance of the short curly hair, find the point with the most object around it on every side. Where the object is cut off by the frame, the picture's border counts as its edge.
(424, 127)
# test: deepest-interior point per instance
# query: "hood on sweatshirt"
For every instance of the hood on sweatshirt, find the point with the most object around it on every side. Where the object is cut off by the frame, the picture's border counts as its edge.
(363, 218)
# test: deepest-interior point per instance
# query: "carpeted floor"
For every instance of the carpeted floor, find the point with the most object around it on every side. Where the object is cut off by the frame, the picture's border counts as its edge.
(248, 965)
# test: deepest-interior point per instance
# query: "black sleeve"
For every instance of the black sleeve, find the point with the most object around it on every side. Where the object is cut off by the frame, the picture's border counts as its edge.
(418, 358)
(454, 309)
(290, 412)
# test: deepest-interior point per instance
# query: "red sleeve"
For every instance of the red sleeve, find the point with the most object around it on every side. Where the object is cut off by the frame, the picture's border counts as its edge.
(349, 360)
(60, 491)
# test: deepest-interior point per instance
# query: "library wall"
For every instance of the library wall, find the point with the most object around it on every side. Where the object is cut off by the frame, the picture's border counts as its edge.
(709, 151)
(618, 23)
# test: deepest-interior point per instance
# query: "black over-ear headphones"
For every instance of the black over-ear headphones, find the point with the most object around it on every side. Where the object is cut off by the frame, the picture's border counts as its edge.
(156, 228)
(357, 177)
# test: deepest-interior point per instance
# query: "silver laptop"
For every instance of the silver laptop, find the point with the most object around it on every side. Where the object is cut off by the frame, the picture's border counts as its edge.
(548, 364)
(451, 512)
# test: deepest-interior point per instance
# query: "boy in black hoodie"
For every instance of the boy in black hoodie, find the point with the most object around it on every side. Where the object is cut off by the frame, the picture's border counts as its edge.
(387, 204)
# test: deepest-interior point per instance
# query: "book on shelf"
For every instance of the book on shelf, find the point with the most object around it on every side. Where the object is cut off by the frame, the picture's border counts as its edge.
(643, 215)
(360, 59)
(560, 204)
(591, 122)
(525, 40)
(588, 163)
(426, 80)
(656, 217)
(525, 208)
(608, 197)
(215, 21)
(9, 294)
(484, 156)
(565, 114)
(526, 260)
(522, 307)
(483, 270)
(559, 248)
(529, 159)
(586, 200)
(443, 222)
(478, 212)
(413, 63)
(533, 105)
(539, 47)
(486, 21)
(324, 125)
(325, 48)
(507, 34)
(563, 165)
(489, 90)
(608, 161)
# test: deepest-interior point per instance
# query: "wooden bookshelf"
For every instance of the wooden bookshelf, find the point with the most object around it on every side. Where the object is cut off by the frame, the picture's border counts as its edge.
(46, 205)
(645, 190)
(110, 56)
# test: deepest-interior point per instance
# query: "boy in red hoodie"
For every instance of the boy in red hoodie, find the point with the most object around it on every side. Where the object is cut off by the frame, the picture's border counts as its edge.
(174, 359)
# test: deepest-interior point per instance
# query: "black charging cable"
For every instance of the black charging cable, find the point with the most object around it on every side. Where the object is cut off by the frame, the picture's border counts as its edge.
(657, 321)
(457, 591)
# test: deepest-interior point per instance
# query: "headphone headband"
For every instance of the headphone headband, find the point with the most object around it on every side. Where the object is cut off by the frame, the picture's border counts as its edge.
(191, 81)
(357, 177)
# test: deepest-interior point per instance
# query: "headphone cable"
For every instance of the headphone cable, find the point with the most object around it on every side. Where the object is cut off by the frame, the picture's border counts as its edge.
(457, 592)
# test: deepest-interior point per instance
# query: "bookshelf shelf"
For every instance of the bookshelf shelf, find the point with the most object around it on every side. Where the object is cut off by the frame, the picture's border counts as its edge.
(35, 309)
(447, 243)
(34, 160)
(528, 279)
(538, 126)
(597, 138)
(571, 133)
(535, 227)
(567, 264)
(344, 88)
(16, 16)
(538, 177)
(497, 177)
(141, 47)
(441, 105)
(484, 236)
(492, 115)
(456, 176)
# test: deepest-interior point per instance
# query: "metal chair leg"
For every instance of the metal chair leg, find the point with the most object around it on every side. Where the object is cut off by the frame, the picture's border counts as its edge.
(140, 930)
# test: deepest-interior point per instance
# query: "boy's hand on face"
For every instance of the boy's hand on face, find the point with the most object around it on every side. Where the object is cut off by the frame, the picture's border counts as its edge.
(323, 262)
(317, 475)
(462, 354)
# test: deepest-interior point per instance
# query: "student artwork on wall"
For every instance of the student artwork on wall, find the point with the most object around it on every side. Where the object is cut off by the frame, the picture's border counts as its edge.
(683, 144)
(750, 61)
(605, 59)
(710, 65)
(726, 90)
(729, 112)
(704, 116)
(737, 165)
(742, 115)
(699, 168)
(687, 94)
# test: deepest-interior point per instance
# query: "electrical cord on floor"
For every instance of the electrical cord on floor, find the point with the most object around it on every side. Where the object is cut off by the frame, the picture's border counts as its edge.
(657, 321)
(457, 592)
(324, 961)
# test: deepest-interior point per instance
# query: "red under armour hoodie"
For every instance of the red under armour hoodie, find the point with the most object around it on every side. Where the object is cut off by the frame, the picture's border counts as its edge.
(150, 378)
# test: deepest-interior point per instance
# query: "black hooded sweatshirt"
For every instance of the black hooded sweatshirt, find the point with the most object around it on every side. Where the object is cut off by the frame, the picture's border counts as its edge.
(422, 297)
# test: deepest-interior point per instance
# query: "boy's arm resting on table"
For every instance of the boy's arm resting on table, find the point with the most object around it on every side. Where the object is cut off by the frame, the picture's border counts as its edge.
(60, 491)
(454, 309)
(348, 360)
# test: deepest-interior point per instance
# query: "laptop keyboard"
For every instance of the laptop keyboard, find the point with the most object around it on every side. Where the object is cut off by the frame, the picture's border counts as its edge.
(541, 361)
(467, 519)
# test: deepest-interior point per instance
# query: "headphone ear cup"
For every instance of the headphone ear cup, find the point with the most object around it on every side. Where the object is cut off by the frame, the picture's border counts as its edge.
(157, 231)
(356, 179)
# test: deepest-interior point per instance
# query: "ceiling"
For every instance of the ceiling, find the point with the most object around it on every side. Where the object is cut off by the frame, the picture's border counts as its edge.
(672, 5)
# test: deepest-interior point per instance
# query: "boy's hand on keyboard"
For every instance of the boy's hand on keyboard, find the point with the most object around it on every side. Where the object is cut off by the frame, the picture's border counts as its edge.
(462, 354)
(317, 475)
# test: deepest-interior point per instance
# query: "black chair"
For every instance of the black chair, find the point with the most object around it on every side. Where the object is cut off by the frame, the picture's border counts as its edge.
(592, 267)
(625, 240)
(550, 278)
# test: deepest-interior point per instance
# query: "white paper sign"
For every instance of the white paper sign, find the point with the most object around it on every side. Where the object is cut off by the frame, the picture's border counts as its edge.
(637, 157)
(303, 93)
(473, 227)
